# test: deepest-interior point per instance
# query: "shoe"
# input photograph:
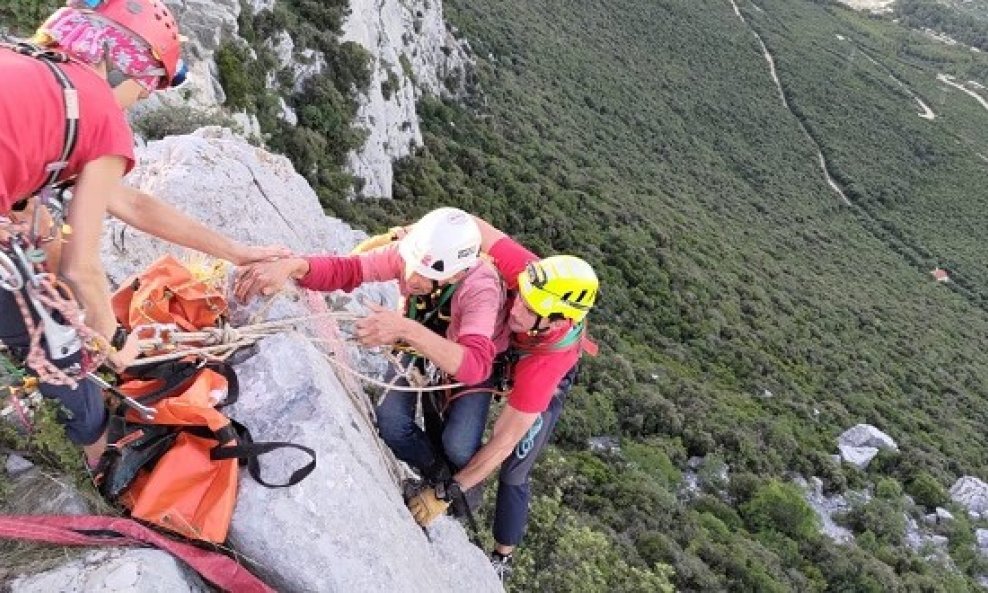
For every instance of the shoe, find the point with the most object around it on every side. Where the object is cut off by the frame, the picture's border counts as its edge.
(501, 564)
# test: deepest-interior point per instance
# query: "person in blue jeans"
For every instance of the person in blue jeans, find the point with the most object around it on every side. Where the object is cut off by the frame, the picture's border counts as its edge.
(549, 300)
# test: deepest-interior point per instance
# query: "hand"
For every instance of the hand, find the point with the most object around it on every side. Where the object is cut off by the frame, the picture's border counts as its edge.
(119, 360)
(266, 278)
(426, 506)
(383, 327)
(248, 254)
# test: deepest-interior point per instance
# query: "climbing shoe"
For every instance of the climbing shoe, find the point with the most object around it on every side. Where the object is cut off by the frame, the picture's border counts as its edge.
(501, 563)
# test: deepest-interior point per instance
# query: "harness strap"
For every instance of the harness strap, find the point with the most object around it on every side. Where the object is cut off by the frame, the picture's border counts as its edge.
(70, 97)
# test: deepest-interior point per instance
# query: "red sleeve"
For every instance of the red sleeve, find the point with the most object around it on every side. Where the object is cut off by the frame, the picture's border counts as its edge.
(331, 272)
(511, 257)
(478, 359)
(536, 377)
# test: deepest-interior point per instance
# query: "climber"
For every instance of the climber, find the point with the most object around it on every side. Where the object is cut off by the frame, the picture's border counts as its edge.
(62, 121)
(453, 317)
(549, 302)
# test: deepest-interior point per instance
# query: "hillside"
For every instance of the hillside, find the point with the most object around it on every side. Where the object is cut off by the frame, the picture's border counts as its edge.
(764, 244)
(651, 138)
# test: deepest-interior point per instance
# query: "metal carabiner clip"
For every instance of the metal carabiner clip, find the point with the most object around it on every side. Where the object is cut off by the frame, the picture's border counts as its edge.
(11, 278)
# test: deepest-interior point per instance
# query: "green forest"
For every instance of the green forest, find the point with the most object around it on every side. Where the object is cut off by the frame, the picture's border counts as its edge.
(748, 314)
(650, 138)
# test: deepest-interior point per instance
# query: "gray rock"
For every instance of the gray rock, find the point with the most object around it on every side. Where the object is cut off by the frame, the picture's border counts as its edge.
(399, 35)
(943, 515)
(35, 492)
(114, 570)
(605, 444)
(982, 536)
(16, 465)
(248, 193)
(858, 456)
(345, 526)
(826, 507)
(971, 493)
(866, 435)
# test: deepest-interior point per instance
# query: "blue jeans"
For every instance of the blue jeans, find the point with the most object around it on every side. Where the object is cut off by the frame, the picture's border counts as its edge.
(454, 438)
(83, 412)
(513, 489)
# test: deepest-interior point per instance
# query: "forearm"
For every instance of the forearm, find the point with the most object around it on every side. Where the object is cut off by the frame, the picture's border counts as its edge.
(445, 354)
(92, 291)
(510, 428)
(484, 462)
(162, 220)
(489, 234)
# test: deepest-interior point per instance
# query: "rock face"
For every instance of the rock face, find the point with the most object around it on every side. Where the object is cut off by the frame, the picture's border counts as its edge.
(972, 493)
(826, 507)
(345, 527)
(413, 52)
(205, 24)
(114, 571)
(859, 444)
(246, 192)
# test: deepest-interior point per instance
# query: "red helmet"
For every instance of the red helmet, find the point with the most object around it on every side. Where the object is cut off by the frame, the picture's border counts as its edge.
(151, 21)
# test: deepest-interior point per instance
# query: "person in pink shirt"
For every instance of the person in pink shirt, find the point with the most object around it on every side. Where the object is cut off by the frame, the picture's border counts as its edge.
(548, 304)
(450, 327)
(62, 121)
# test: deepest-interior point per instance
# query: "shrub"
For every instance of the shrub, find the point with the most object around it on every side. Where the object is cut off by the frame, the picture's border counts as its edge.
(781, 507)
(927, 490)
(174, 121)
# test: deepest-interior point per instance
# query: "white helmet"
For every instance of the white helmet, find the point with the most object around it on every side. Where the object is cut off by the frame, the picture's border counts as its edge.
(442, 243)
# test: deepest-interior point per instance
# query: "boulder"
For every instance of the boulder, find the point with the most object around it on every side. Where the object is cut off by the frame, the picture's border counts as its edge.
(866, 435)
(860, 444)
(971, 493)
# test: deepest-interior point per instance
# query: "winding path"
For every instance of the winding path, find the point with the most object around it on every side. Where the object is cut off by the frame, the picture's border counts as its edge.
(947, 79)
(782, 96)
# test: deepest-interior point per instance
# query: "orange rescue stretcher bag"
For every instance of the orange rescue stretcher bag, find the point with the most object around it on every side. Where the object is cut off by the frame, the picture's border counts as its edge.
(180, 469)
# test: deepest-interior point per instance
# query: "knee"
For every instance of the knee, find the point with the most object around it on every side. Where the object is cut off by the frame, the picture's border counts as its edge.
(393, 421)
(460, 447)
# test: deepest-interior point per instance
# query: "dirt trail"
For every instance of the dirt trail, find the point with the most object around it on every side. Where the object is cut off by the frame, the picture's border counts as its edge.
(782, 96)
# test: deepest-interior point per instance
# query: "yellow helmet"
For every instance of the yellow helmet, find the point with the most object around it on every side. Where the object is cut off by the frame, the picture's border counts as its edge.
(561, 284)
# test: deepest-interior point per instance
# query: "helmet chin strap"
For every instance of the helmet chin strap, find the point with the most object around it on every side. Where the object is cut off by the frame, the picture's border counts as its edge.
(535, 326)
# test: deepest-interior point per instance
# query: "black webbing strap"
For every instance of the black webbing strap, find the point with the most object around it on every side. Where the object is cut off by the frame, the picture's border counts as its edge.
(177, 376)
(247, 451)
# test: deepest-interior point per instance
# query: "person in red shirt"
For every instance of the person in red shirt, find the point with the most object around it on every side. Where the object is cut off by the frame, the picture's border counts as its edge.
(550, 300)
(62, 120)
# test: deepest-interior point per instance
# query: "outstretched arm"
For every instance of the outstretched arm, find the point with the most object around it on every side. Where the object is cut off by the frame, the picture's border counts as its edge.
(489, 234)
(161, 219)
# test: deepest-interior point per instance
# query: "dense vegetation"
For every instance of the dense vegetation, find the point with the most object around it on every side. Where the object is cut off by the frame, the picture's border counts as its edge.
(966, 22)
(748, 315)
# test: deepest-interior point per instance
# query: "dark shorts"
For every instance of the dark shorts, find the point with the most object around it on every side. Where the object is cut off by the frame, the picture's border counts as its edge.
(83, 412)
